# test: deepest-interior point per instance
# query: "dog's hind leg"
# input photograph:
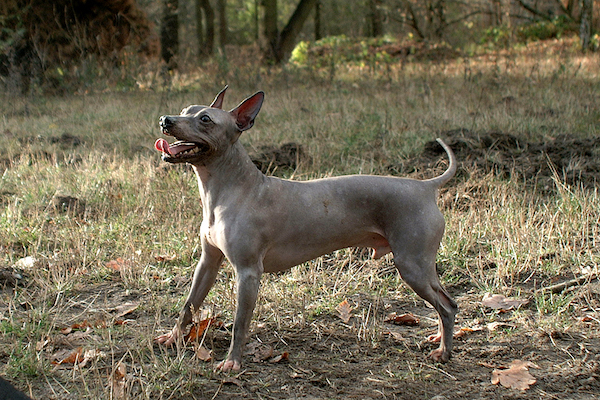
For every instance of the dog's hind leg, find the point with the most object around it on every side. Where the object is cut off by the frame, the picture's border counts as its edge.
(422, 277)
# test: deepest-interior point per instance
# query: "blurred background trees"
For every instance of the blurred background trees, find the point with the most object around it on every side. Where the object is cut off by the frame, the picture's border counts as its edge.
(45, 42)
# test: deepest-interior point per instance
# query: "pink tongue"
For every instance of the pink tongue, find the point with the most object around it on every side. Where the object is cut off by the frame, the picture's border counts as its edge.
(162, 145)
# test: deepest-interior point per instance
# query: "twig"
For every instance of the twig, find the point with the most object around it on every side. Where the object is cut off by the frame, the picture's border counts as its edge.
(559, 287)
(442, 371)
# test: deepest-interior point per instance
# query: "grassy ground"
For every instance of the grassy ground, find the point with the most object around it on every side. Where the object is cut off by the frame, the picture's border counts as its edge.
(110, 229)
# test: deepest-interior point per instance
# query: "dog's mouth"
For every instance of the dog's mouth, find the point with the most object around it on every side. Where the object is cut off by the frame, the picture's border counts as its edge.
(180, 150)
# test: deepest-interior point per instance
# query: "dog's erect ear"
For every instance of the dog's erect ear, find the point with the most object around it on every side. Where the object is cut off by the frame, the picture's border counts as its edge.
(218, 101)
(247, 110)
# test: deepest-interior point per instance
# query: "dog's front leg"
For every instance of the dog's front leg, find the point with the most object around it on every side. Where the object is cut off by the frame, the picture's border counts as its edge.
(204, 278)
(248, 282)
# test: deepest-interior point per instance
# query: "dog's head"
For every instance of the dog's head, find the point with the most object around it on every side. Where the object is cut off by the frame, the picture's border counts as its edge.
(204, 132)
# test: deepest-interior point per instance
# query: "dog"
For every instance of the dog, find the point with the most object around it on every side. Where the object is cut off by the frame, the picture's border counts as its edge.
(266, 224)
(9, 392)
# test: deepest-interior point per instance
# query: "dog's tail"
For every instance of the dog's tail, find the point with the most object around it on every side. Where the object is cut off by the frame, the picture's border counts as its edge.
(449, 173)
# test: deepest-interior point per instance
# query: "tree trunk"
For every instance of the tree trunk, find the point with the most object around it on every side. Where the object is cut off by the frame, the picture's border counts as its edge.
(200, 29)
(287, 39)
(206, 48)
(256, 20)
(169, 33)
(270, 28)
(318, 34)
(585, 27)
(375, 17)
(501, 12)
(222, 23)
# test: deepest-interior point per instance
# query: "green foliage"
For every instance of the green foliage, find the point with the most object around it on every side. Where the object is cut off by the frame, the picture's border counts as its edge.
(497, 36)
(505, 36)
(11, 29)
(543, 30)
(342, 49)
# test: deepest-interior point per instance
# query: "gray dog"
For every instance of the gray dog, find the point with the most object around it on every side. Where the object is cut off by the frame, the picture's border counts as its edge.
(265, 224)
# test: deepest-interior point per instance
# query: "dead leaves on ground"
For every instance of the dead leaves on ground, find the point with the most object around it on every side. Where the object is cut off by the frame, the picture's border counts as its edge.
(76, 357)
(118, 381)
(68, 347)
(261, 352)
(198, 329)
(516, 376)
(403, 319)
(344, 310)
(501, 303)
(196, 334)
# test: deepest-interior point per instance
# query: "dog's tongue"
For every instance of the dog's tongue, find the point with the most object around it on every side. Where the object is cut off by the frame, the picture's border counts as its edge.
(172, 149)
(162, 145)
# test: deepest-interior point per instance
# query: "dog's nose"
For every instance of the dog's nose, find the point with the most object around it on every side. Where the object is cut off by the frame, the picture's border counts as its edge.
(165, 122)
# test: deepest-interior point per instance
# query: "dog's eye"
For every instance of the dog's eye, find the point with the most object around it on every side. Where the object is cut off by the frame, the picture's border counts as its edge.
(205, 118)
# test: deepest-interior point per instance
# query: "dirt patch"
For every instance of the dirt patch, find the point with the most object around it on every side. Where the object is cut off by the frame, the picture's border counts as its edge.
(64, 204)
(568, 160)
(273, 160)
(328, 358)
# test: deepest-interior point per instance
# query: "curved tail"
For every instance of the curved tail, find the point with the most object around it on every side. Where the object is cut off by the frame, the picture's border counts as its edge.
(449, 173)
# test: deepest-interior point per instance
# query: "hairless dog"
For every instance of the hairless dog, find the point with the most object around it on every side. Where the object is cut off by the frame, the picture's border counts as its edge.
(266, 224)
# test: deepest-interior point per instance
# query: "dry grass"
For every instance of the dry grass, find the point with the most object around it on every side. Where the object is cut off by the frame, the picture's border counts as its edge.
(504, 235)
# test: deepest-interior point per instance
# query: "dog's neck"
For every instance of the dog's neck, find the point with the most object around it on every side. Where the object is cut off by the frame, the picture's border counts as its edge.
(220, 178)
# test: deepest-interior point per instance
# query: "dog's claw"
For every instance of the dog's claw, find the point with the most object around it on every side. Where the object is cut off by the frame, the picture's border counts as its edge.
(435, 338)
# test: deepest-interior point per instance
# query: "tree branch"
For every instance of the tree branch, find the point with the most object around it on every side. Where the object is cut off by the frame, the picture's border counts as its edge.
(534, 11)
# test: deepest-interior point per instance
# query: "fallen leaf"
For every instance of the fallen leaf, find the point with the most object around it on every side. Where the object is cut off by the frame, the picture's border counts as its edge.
(203, 353)
(39, 346)
(404, 319)
(72, 357)
(259, 352)
(517, 375)
(197, 330)
(499, 302)
(233, 380)
(116, 265)
(90, 355)
(78, 335)
(118, 381)
(125, 309)
(344, 311)
(165, 257)
(493, 326)
(279, 358)
(85, 325)
(466, 330)
(396, 336)
(76, 326)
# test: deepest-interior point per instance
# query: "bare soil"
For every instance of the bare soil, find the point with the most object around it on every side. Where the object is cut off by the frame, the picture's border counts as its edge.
(571, 160)
(327, 360)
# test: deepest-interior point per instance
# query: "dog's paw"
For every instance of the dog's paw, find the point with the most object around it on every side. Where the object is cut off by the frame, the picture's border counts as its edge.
(228, 365)
(168, 339)
(439, 355)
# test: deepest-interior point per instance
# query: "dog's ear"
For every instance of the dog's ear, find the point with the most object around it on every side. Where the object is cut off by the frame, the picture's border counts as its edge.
(218, 101)
(247, 110)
